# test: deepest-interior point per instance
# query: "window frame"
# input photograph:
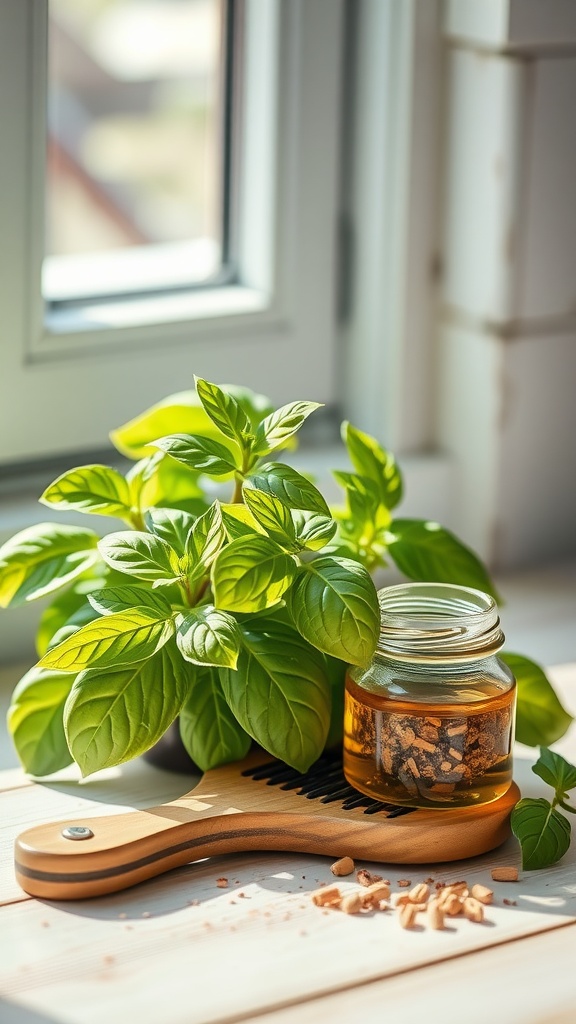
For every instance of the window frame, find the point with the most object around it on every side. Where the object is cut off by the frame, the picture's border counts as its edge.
(84, 372)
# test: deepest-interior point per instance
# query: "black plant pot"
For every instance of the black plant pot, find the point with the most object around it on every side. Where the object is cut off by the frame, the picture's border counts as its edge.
(171, 754)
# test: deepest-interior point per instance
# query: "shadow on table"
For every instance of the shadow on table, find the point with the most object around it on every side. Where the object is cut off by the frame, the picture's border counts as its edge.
(12, 1013)
(254, 875)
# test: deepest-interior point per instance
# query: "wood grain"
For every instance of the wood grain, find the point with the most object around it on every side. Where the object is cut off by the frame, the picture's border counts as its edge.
(227, 813)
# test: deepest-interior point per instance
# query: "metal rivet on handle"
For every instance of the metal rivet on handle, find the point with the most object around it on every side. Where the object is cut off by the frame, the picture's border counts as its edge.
(77, 832)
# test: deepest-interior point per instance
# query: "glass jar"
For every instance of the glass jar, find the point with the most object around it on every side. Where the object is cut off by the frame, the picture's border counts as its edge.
(430, 723)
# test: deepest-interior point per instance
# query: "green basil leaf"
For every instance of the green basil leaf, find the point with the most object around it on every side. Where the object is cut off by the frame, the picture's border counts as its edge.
(208, 636)
(180, 412)
(426, 552)
(543, 833)
(116, 714)
(290, 486)
(334, 605)
(62, 609)
(208, 728)
(98, 490)
(540, 717)
(272, 514)
(110, 600)
(313, 530)
(42, 559)
(371, 460)
(141, 555)
(169, 484)
(336, 674)
(251, 574)
(277, 428)
(224, 411)
(200, 453)
(279, 693)
(556, 771)
(35, 721)
(183, 413)
(172, 525)
(238, 521)
(84, 614)
(206, 536)
(119, 639)
(366, 509)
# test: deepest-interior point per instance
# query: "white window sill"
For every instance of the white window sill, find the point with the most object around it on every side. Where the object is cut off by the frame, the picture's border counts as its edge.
(147, 310)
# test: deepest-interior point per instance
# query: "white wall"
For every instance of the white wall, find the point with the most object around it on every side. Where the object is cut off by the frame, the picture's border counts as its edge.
(507, 355)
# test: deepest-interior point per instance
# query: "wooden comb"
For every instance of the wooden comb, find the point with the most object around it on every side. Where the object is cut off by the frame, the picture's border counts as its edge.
(251, 805)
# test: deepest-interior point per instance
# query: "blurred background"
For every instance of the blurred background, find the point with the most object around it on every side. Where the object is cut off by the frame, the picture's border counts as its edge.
(368, 203)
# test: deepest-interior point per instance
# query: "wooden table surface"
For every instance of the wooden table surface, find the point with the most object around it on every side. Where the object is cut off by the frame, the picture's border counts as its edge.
(180, 949)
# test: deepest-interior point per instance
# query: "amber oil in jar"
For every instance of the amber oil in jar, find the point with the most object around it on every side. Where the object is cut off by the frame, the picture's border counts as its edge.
(430, 723)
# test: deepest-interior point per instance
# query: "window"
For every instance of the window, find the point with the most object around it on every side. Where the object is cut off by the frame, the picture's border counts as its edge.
(73, 369)
(137, 146)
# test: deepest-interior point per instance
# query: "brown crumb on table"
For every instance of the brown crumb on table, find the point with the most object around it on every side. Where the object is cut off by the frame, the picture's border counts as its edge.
(344, 866)
(365, 877)
(222, 883)
(504, 874)
(509, 903)
(404, 883)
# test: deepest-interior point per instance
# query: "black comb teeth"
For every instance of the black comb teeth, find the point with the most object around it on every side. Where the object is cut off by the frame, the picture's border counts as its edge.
(324, 781)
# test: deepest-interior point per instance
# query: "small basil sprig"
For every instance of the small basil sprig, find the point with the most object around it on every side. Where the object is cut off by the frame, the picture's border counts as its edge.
(544, 833)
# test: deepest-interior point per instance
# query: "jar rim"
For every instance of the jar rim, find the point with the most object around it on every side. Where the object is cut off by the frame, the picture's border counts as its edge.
(438, 621)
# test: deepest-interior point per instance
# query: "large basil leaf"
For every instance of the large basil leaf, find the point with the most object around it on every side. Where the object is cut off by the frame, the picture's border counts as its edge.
(371, 460)
(169, 485)
(334, 605)
(140, 554)
(277, 428)
(224, 411)
(251, 574)
(35, 720)
(42, 559)
(181, 412)
(117, 714)
(272, 514)
(209, 636)
(279, 693)
(426, 552)
(543, 833)
(172, 525)
(119, 639)
(540, 717)
(291, 487)
(200, 453)
(209, 730)
(110, 600)
(84, 614)
(95, 489)
(238, 521)
(63, 608)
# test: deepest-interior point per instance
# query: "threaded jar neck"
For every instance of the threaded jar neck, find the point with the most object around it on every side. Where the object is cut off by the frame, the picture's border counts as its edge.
(434, 622)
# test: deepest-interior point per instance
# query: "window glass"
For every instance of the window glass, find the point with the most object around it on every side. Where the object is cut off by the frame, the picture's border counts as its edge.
(135, 145)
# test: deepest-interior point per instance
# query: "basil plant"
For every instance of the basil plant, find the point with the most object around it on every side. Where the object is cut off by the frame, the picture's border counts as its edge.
(230, 597)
